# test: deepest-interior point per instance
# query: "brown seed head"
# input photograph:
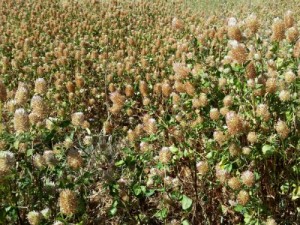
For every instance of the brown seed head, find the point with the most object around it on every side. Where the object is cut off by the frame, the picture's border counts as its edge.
(40, 86)
(177, 24)
(165, 155)
(117, 98)
(175, 98)
(238, 53)
(248, 178)
(234, 33)
(150, 126)
(289, 19)
(221, 174)
(289, 77)
(21, 95)
(243, 197)
(224, 111)
(284, 95)
(21, 121)
(179, 87)
(7, 162)
(278, 29)
(190, 89)
(252, 137)
(292, 34)
(143, 88)
(3, 92)
(202, 167)
(263, 111)
(296, 50)
(271, 85)
(70, 87)
(252, 23)
(282, 129)
(68, 202)
(74, 159)
(38, 161)
(234, 123)
(129, 91)
(77, 119)
(234, 150)
(50, 158)
(181, 71)
(214, 114)
(220, 137)
(228, 101)
(250, 70)
(38, 106)
(234, 183)
(34, 218)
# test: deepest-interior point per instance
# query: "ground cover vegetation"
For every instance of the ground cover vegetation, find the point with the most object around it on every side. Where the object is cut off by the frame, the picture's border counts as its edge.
(149, 112)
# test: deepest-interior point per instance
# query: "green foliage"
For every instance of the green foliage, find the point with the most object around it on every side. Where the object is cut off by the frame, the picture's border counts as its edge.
(136, 112)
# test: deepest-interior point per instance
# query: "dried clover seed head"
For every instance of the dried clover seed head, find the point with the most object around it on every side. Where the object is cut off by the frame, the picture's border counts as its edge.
(21, 95)
(239, 53)
(177, 24)
(234, 183)
(165, 155)
(252, 137)
(234, 150)
(214, 114)
(234, 123)
(3, 92)
(68, 202)
(40, 86)
(263, 111)
(278, 29)
(7, 161)
(243, 197)
(284, 95)
(289, 19)
(143, 88)
(292, 34)
(220, 137)
(271, 85)
(21, 121)
(202, 167)
(271, 221)
(228, 101)
(248, 178)
(181, 71)
(88, 140)
(34, 218)
(234, 33)
(129, 91)
(38, 161)
(289, 77)
(74, 159)
(77, 119)
(252, 23)
(246, 150)
(50, 158)
(166, 89)
(150, 126)
(282, 129)
(221, 174)
(296, 50)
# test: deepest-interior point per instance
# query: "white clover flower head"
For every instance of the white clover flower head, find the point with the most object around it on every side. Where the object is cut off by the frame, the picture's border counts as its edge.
(46, 213)
(232, 21)
(233, 43)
